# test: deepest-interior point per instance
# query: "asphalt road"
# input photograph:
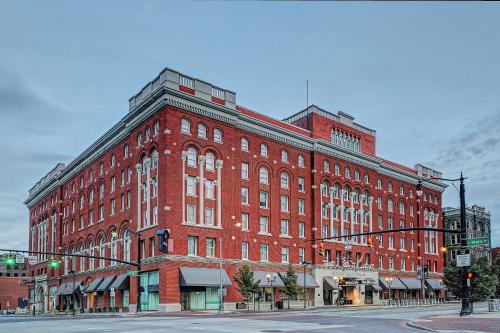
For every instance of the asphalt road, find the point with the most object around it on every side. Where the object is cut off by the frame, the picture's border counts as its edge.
(319, 321)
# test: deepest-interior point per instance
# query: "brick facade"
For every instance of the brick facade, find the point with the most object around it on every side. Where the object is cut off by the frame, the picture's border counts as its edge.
(60, 221)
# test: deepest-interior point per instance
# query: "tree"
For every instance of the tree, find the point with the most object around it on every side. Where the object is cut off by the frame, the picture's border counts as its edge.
(482, 287)
(290, 282)
(496, 269)
(246, 285)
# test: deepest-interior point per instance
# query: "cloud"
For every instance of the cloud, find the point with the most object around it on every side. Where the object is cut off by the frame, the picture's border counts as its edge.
(476, 152)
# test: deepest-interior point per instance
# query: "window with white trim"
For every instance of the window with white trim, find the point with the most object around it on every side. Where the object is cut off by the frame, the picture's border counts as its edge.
(264, 251)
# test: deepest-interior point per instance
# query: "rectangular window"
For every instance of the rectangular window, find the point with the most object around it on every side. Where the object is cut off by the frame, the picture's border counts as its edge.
(380, 240)
(390, 223)
(244, 170)
(209, 189)
(380, 262)
(91, 217)
(284, 254)
(301, 184)
(391, 263)
(244, 221)
(144, 192)
(244, 250)
(122, 178)
(210, 247)
(191, 185)
(403, 264)
(128, 199)
(244, 195)
(264, 252)
(113, 208)
(402, 242)
(324, 231)
(191, 214)
(81, 221)
(302, 255)
(284, 203)
(379, 203)
(284, 228)
(264, 224)
(263, 200)
(390, 241)
(301, 204)
(209, 216)
(129, 174)
(401, 224)
(302, 228)
(155, 215)
(155, 187)
(122, 201)
(192, 246)
(113, 184)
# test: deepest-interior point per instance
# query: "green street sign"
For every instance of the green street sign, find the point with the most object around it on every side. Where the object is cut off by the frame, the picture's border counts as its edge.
(133, 273)
(477, 241)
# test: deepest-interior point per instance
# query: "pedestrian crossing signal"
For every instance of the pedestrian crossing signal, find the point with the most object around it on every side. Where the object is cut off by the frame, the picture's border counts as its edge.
(471, 275)
(322, 249)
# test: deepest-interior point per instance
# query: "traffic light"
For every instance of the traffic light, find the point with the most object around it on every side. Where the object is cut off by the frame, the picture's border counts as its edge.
(9, 260)
(322, 249)
(472, 275)
(54, 263)
(163, 237)
(370, 242)
(426, 271)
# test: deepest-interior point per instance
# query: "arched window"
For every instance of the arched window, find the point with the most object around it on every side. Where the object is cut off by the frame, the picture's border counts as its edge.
(125, 151)
(202, 131)
(114, 248)
(347, 172)
(389, 187)
(300, 161)
(82, 259)
(401, 207)
(139, 138)
(144, 167)
(326, 166)
(263, 150)
(324, 188)
(284, 180)
(73, 258)
(345, 195)
(244, 144)
(148, 133)
(284, 156)
(185, 126)
(379, 183)
(263, 175)
(113, 160)
(66, 270)
(154, 159)
(217, 135)
(126, 245)
(426, 213)
(91, 254)
(390, 205)
(91, 196)
(210, 161)
(191, 157)
(355, 195)
(335, 191)
(366, 179)
(101, 190)
(101, 168)
(156, 128)
(102, 251)
(82, 201)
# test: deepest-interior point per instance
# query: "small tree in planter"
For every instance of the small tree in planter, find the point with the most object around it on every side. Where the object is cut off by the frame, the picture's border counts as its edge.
(246, 285)
(290, 281)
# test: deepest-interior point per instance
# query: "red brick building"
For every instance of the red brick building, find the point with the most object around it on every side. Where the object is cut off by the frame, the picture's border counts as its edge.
(217, 175)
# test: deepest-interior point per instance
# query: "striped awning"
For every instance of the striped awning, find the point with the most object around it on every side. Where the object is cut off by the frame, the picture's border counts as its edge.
(275, 279)
(434, 284)
(411, 283)
(395, 284)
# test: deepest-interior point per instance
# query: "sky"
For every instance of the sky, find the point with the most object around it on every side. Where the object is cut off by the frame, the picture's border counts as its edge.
(425, 76)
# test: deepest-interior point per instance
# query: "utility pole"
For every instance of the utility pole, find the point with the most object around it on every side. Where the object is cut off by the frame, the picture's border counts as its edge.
(466, 304)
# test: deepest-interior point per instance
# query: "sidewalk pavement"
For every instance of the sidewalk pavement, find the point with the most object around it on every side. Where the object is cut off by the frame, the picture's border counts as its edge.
(478, 323)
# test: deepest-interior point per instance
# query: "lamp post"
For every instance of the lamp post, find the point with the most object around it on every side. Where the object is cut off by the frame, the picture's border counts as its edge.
(419, 246)
(389, 283)
(72, 272)
(270, 281)
(221, 296)
(304, 264)
(336, 281)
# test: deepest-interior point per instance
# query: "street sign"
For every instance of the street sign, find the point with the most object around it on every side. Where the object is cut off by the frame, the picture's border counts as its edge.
(477, 241)
(463, 260)
(133, 273)
(19, 258)
(32, 260)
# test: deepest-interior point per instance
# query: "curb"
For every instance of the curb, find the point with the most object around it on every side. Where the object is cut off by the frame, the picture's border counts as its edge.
(418, 327)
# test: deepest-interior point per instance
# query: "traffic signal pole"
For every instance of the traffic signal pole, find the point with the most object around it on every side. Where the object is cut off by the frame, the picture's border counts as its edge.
(466, 304)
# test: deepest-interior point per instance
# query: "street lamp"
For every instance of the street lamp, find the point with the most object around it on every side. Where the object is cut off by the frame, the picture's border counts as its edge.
(270, 281)
(138, 235)
(73, 292)
(305, 263)
(420, 192)
(221, 296)
(389, 283)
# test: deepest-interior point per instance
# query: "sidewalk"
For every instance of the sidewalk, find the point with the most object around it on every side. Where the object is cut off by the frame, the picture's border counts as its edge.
(478, 322)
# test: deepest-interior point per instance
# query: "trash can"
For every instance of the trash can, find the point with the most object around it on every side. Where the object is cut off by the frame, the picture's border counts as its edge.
(279, 305)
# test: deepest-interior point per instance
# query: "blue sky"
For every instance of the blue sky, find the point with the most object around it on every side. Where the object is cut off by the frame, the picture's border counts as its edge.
(426, 76)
